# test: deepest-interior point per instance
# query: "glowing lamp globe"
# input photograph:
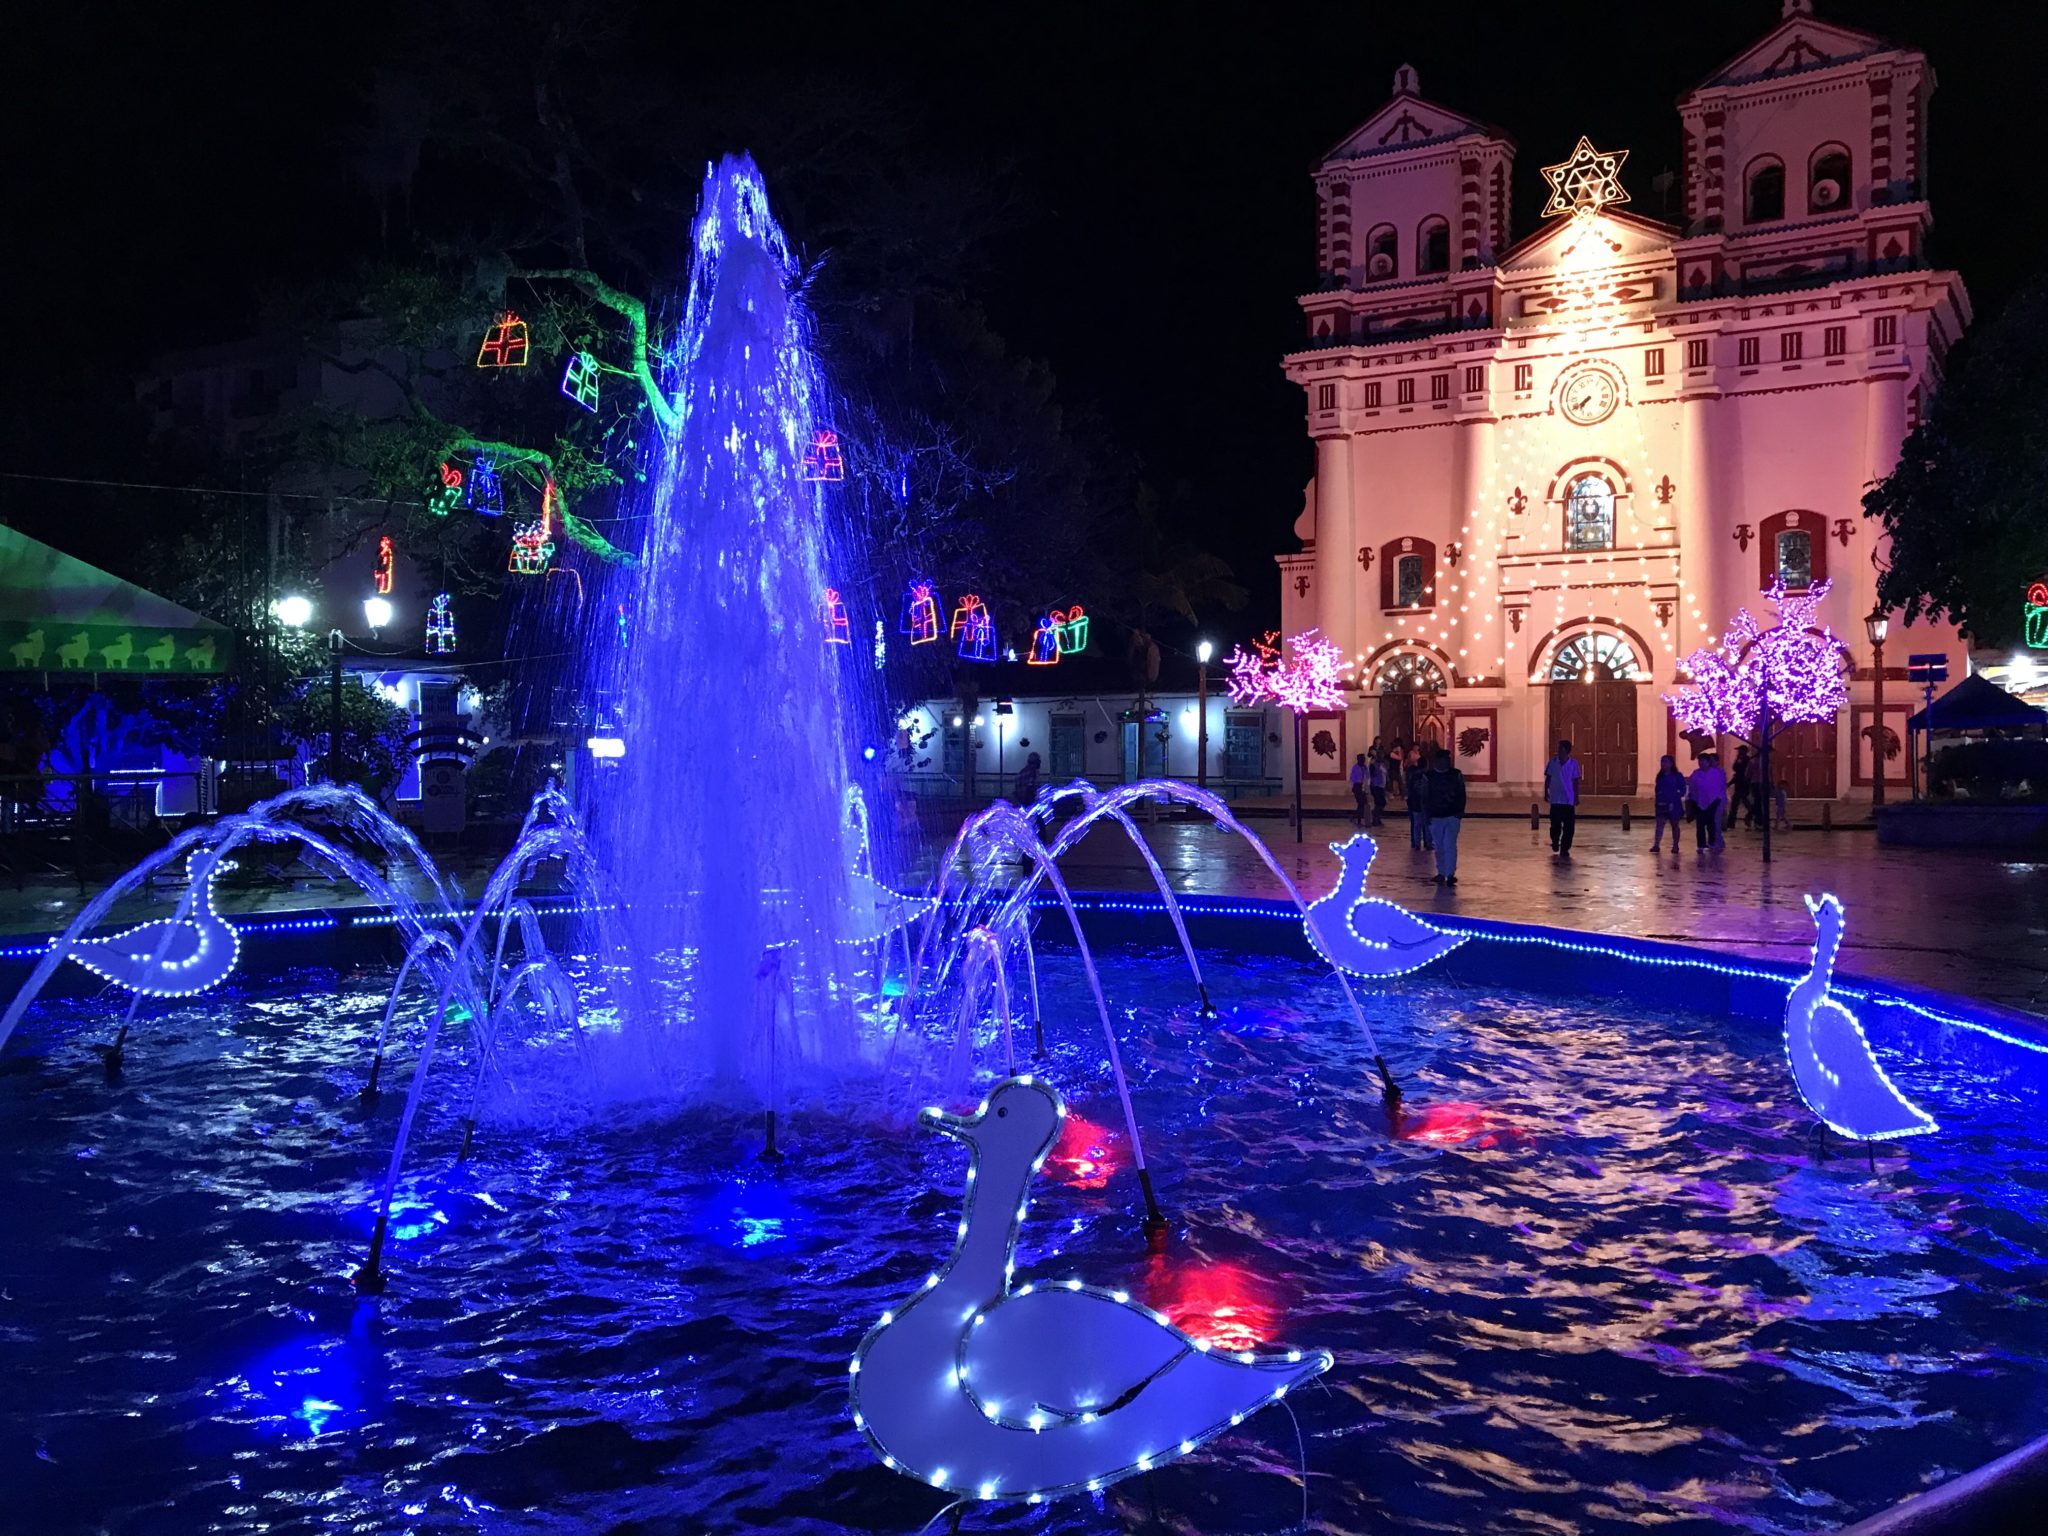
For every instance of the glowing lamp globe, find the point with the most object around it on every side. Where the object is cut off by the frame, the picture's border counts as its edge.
(294, 611)
(1203, 652)
(377, 611)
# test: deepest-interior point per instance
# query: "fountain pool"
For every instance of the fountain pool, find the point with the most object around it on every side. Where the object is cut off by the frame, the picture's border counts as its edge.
(1594, 1274)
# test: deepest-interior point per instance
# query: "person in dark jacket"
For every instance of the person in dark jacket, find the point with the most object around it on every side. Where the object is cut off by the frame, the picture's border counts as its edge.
(1445, 787)
(1670, 797)
(1415, 785)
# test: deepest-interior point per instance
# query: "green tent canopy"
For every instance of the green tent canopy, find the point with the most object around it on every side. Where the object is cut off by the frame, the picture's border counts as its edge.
(58, 614)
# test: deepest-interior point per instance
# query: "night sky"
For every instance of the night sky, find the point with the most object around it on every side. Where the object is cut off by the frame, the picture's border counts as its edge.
(169, 167)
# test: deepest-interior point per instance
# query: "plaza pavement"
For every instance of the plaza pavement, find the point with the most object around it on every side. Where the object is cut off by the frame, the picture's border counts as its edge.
(1963, 921)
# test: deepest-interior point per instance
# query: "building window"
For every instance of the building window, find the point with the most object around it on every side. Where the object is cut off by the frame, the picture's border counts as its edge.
(1404, 391)
(1475, 379)
(1589, 514)
(1381, 259)
(1764, 196)
(1407, 574)
(1795, 558)
(1525, 375)
(1748, 351)
(1408, 581)
(1834, 341)
(1069, 747)
(1653, 363)
(1696, 354)
(1791, 346)
(1792, 547)
(1439, 386)
(1244, 745)
(1591, 658)
(1827, 180)
(1372, 397)
(1433, 246)
(1326, 397)
(1410, 673)
(1884, 331)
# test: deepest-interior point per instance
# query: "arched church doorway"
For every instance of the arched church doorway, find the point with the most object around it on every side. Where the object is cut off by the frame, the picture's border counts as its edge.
(1593, 680)
(1411, 689)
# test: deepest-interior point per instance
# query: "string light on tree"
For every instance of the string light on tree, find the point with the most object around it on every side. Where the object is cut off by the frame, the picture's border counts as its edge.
(482, 492)
(1072, 629)
(579, 380)
(387, 559)
(440, 626)
(2035, 616)
(837, 630)
(1045, 642)
(822, 460)
(1794, 670)
(920, 618)
(446, 495)
(976, 627)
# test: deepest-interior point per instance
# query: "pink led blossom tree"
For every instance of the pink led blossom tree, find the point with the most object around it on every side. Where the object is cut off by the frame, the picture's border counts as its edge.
(1763, 680)
(1305, 680)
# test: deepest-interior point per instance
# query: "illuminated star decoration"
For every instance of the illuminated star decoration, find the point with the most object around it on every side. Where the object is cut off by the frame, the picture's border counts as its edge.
(1800, 657)
(1586, 183)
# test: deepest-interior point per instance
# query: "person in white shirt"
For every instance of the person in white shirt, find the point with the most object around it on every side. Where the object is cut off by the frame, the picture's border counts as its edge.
(1561, 789)
(1709, 792)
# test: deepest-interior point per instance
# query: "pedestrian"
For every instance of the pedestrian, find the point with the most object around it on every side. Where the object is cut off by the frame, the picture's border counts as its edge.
(1415, 785)
(1561, 789)
(1744, 798)
(1026, 790)
(1669, 793)
(1444, 787)
(1378, 782)
(1708, 790)
(1358, 791)
(1778, 804)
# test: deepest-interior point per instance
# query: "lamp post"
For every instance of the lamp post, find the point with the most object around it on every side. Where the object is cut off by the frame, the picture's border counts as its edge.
(1202, 654)
(1876, 627)
(334, 645)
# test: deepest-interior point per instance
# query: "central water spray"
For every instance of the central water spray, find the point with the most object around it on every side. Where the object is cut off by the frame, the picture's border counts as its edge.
(724, 823)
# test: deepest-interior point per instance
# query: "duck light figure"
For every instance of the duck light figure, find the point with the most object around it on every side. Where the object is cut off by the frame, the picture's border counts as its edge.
(171, 957)
(874, 911)
(1368, 935)
(1025, 1394)
(1832, 1063)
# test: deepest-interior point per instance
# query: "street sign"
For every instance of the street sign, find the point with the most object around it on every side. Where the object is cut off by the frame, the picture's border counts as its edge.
(1928, 669)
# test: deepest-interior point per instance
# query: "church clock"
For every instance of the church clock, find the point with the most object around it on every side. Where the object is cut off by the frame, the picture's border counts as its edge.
(1588, 396)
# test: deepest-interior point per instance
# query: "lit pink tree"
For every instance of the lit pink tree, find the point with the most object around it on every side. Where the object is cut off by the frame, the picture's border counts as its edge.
(1305, 680)
(1763, 680)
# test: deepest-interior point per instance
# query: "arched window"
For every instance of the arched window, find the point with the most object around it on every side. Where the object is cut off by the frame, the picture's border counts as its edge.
(1795, 558)
(1793, 548)
(1590, 657)
(1764, 191)
(1407, 574)
(1589, 513)
(1382, 254)
(1410, 673)
(1828, 187)
(1433, 246)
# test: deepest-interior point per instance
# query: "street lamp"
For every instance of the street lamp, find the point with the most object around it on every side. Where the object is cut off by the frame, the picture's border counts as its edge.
(377, 612)
(294, 611)
(1203, 652)
(1876, 626)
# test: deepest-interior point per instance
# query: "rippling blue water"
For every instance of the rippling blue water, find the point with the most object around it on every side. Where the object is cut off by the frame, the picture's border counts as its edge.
(1598, 1278)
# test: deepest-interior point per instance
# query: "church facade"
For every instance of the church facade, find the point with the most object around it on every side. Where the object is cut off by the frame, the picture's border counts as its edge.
(1550, 467)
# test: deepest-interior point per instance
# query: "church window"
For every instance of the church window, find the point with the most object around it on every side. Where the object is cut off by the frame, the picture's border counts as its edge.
(1791, 346)
(1653, 363)
(1475, 378)
(1589, 514)
(1696, 353)
(1525, 375)
(1433, 246)
(1748, 351)
(1409, 673)
(1884, 331)
(1408, 581)
(1404, 391)
(1834, 341)
(1592, 657)
(1326, 397)
(1827, 179)
(1372, 396)
(1764, 191)
(1795, 558)
(1439, 386)
(1382, 259)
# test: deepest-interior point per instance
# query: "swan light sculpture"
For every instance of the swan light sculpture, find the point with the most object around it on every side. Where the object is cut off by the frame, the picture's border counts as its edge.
(171, 957)
(1369, 935)
(1027, 1394)
(1832, 1064)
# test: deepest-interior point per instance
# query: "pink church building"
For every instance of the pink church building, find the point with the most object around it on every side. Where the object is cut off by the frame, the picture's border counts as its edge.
(1549, 467)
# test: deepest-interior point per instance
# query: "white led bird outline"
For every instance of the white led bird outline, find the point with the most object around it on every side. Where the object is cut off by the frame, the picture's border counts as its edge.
(1033, 1393)
(1369, 935)
(1833, 1067)
(171, 957)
